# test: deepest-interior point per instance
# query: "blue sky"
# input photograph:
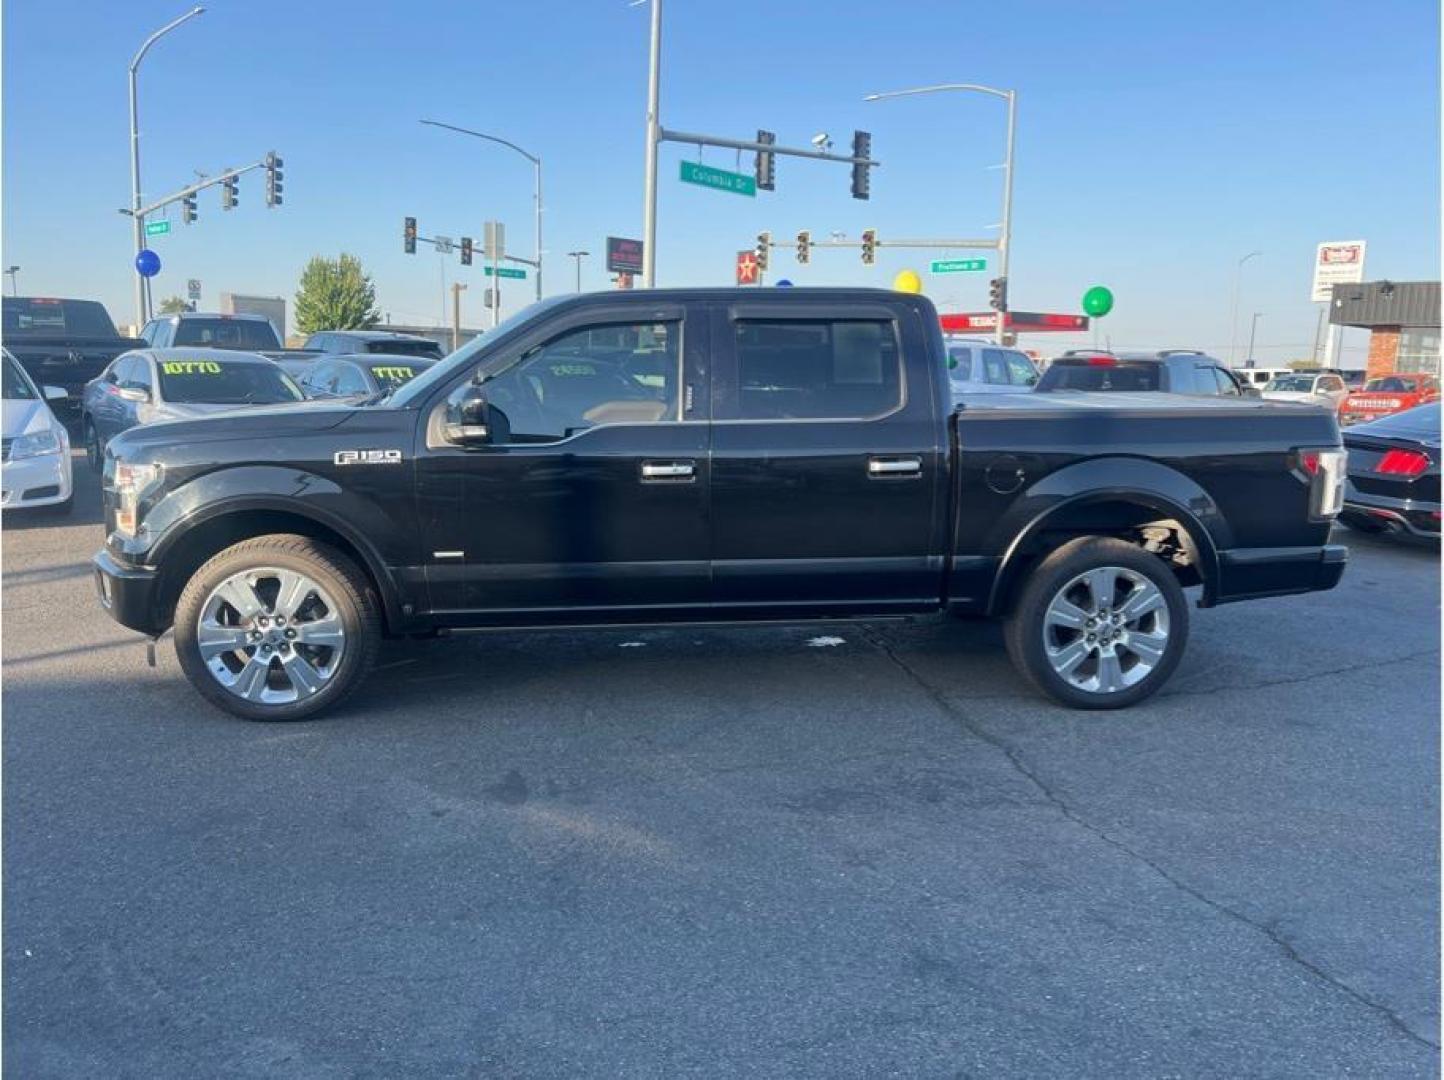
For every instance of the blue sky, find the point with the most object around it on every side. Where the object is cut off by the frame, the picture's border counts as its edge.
(1157, 143)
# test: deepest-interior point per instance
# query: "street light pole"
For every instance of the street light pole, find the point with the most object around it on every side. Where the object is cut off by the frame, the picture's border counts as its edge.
(536, 186)
(1252, 330)
(1005, 237)
(13, 271)
(1233, 324)
(578, 256)
(136, 219)
(654, 135)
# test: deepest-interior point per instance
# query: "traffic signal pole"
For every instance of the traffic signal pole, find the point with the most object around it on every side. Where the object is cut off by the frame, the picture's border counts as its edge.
(657, 134)
(1005, 236)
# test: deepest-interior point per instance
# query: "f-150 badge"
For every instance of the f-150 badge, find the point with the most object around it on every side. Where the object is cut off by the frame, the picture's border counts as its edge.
(368, 457)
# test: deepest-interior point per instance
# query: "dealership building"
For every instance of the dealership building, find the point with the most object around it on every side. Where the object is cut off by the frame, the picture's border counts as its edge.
(1402, 318)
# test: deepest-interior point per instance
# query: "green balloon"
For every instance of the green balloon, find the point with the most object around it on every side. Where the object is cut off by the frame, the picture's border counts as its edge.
(1098, 301)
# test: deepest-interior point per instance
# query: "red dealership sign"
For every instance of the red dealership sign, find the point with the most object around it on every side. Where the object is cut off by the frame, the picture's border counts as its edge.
(1032, 322)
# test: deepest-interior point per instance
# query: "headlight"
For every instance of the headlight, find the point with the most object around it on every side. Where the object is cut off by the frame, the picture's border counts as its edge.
(131, 482)
(37, 443)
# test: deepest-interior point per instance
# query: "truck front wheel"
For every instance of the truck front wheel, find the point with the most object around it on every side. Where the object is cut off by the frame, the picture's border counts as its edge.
(1100, 624)
(277, 628)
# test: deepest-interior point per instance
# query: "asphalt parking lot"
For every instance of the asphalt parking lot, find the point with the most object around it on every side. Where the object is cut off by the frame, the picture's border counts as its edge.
(814, 852)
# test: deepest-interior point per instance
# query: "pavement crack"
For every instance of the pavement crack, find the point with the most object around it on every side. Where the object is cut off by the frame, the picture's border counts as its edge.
(1267, 930)
(1293, 680)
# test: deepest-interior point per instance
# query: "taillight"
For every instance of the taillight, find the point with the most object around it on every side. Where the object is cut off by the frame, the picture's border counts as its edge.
(1402, 463)
(1102, 361)
(1324, 470)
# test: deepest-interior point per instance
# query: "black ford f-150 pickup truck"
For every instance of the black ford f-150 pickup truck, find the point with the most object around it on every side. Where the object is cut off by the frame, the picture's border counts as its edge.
(703, 456)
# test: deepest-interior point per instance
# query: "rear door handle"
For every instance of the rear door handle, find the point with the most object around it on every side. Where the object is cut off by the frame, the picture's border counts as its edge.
(894, 467)
(669, 470)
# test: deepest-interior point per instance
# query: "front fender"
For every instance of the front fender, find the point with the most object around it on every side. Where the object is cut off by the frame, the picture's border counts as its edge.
(1136, 481)
(361, 522)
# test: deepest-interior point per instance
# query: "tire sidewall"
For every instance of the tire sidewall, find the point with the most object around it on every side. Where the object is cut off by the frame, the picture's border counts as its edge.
(356, 609)
(1026, 639)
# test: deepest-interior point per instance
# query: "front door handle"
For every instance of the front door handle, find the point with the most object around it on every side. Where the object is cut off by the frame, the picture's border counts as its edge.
(669, 470)
(879, 468)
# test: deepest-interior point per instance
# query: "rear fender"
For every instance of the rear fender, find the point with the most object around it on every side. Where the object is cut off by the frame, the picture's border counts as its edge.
(1137, 482)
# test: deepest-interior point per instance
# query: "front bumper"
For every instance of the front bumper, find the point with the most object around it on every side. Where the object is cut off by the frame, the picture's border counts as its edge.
(127, 593)
(1374, 512)
(36, 481)
(1252, 573)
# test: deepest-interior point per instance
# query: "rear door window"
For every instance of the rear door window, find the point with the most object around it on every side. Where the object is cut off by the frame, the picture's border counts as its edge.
(813, 369)
(995, 367)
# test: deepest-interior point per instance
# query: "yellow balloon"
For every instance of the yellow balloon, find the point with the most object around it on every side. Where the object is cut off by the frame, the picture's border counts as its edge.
(908, 281)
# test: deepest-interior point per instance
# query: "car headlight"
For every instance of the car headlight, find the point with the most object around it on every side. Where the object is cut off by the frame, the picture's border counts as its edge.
(37, 444)
(130, 483)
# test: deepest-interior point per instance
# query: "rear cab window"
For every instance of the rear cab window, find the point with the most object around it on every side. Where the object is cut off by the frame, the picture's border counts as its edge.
(39, 317)
(1101, 374)
(427, 349)
(222, 333)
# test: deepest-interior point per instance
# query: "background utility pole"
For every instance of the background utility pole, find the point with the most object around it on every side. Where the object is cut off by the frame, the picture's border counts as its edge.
(654, 133)
(14, 272)
(137, 219)
(578, 256)
(456, 288)
(1233, 323)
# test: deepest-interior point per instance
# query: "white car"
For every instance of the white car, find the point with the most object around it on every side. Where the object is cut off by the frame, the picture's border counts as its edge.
(1259, 377)
(980, 367)
(1309, 387)
(34, 446)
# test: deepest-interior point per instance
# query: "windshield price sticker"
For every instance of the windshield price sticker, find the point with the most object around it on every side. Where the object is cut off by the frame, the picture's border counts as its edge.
(393, 374)
(190, 367)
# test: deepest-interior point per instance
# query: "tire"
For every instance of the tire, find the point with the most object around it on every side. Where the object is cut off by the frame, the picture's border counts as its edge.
(1127, 660)
(277, 628)
(94, 449)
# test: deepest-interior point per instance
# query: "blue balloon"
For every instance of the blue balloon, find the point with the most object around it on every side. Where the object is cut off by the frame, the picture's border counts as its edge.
(147, 263)
(784, 284)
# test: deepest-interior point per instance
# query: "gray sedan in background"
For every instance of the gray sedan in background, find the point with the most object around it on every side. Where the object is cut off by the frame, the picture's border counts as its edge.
(149, 385)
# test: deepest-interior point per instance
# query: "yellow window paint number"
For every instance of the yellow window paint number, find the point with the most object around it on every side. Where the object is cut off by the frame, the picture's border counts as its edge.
(190, 367)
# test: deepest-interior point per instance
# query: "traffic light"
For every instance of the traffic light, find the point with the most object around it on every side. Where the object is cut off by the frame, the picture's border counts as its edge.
(766, 163)
(804, 246)
(188, 207)
(869, 246)
(764, 249)
(861, 174)
(408, 234)
(230, 189)
(466, 251)
(273, 179)
(998, 294)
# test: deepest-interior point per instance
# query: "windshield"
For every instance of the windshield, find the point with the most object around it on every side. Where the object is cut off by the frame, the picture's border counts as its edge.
(1391, 384)
(212, 382)
(1294, 384)
(469, 353)
(26, 316)
(1087, 376)
(16, 386)
(402, 347)
(220, 333)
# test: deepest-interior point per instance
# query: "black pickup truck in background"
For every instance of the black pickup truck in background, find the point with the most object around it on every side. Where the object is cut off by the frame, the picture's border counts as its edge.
(709, 455)
(61, 342)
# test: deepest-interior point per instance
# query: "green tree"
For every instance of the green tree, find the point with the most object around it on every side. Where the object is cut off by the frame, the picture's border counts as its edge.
(173, 305)
(335, 294)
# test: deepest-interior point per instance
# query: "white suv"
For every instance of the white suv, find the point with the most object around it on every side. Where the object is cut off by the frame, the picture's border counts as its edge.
(981, 367)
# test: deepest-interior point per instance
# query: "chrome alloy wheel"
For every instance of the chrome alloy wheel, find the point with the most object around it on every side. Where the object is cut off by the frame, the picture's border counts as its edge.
(270, 636)
(1106, 629)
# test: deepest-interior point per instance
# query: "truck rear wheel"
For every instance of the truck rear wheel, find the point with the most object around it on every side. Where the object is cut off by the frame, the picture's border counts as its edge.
(1100, 624)
(277, 628)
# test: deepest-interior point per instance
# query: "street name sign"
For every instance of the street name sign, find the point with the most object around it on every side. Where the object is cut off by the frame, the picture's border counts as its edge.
(720, 179)
(957, 266)
(507, 272)
(157, 228)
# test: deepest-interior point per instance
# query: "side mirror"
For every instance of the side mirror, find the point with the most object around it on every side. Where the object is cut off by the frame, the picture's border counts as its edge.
(132, 393)
(54, 393)
(472, 420)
